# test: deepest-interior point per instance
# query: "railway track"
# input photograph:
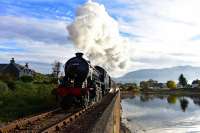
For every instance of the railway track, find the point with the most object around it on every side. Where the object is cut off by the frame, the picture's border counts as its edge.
(57, 120)
(48, 122)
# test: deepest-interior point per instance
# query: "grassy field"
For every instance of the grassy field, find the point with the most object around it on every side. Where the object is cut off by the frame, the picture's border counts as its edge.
(19, 99)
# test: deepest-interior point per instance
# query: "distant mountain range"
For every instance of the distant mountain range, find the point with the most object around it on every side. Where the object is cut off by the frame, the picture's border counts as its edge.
(161, 75)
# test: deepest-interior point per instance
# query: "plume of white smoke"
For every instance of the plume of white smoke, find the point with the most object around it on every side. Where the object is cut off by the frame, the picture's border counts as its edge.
(97, 34)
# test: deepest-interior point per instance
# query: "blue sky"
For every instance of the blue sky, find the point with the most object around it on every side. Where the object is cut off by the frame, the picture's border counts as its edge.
(161, 33)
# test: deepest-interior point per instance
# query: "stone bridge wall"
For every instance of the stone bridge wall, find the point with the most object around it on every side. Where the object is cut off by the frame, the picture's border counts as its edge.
(110, 120)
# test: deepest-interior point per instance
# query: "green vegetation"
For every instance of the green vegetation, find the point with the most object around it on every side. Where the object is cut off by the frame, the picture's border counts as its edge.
(25, 97)
(171, 84)
(26, 78)
(144, 85)
(3, 86)
(182, 80)
(129, 87)
(44, 79)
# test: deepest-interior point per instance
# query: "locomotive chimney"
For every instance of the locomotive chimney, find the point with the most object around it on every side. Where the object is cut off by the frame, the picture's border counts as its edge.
(79, 54)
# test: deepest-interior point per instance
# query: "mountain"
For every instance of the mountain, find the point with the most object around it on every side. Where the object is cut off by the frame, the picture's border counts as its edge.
(161, 75)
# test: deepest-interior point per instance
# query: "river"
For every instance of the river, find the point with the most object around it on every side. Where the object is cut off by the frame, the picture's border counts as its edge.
(161, 113)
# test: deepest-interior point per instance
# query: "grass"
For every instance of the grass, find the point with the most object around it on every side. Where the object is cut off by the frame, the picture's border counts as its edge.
(25, 99)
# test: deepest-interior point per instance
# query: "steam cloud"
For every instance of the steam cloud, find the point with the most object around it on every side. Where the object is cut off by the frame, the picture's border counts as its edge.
(97, 34)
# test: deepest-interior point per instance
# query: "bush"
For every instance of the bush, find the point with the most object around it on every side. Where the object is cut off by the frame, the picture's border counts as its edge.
(26, 78)
(11, 85)
(54, 81)
(3, 86)
(39, 78)
(171, 84)
(27, 99)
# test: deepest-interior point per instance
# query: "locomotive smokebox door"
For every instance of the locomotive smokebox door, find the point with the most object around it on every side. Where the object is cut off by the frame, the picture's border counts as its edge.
(77, 68)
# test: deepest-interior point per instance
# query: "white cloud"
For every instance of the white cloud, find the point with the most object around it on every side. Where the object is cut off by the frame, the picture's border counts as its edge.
(161, 33)
(37, 41)
(40, 55)
(27, 28)
(160, 30)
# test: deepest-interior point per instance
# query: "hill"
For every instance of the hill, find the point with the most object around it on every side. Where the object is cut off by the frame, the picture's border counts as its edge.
(161, 75)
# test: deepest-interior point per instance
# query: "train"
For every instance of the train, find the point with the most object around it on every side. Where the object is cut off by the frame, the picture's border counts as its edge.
(83, 84)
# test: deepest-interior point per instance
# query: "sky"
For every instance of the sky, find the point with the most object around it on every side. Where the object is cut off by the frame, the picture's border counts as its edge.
(161, 34)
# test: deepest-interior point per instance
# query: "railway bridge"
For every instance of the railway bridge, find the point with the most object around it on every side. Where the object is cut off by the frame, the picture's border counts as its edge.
(102, 117)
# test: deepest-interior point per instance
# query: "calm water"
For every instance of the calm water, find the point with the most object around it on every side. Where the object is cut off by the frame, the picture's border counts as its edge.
(162, 114)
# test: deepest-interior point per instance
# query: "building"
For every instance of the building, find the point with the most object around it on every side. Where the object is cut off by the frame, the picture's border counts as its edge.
(13, 71)
(162, 85)
(196, 84)
(152, 84)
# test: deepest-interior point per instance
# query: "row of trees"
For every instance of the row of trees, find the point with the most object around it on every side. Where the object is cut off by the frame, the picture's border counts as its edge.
(128, 86)
(182, 82)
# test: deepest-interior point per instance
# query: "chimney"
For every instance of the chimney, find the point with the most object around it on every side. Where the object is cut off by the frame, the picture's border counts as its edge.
(12, 61)
(26, 65)
(79, 54)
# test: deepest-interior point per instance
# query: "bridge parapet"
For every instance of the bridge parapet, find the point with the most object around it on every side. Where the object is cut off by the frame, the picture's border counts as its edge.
(109, 122)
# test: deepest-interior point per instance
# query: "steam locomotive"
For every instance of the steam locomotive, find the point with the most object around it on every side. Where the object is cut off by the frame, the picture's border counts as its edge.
(82, 83)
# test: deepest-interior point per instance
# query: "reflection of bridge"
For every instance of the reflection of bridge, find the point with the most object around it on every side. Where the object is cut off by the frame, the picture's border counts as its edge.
(103, 117)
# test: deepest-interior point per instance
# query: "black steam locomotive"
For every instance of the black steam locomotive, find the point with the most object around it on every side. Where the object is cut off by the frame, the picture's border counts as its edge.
(83, 83)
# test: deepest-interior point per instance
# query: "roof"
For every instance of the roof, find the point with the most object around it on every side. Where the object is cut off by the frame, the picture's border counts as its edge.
(2, 66)
(17, 66)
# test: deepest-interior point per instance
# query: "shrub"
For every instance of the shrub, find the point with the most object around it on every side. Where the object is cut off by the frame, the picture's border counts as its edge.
(39, 78)
(26, 78)
(171, 84)
(3, 86)
(28, 98)
(11, 84)
(54, 81)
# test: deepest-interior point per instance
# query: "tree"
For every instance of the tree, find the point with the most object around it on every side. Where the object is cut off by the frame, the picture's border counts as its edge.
(171, 84)
(144, 84)
(26, 78)
(56, 69)
(182, 80)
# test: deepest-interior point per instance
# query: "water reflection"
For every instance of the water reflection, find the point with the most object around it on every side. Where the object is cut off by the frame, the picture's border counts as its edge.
(196, 100)
(156, 113)
(171, 99)
(184, 104)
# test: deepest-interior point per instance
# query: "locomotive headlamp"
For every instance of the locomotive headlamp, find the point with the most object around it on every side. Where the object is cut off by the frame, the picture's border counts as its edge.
(91, 89)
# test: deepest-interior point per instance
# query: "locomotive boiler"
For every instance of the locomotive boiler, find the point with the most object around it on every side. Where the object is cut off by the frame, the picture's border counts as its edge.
(82, 83)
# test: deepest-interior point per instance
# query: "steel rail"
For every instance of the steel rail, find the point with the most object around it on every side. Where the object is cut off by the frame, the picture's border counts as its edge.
(21, 122)
(67, 120)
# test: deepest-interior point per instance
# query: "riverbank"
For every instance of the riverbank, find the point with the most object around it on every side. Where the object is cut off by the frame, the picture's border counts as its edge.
(124, 129)
(178, 92)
